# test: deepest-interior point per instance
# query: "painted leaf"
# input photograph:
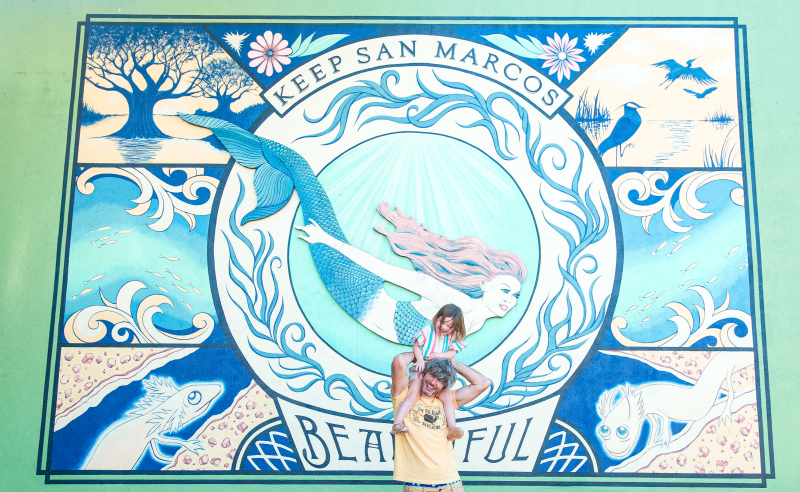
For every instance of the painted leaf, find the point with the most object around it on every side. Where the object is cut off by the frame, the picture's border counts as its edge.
(528, 45)
(324, 43)
(511, 46)
(301, 50)
(296, 45)
(536, 43)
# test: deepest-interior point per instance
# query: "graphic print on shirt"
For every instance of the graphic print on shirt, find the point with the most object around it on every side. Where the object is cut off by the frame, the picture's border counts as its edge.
(429, 417)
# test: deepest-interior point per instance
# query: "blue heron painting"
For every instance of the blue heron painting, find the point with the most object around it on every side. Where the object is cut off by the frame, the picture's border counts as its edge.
(623, 130)
(678, 72)
(701, 95)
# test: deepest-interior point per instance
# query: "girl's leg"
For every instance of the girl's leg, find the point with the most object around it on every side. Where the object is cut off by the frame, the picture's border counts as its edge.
(414, 388)
(446, 397)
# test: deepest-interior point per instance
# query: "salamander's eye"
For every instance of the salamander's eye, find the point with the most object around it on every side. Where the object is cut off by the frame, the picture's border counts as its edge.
(604, 430)
(622, 432)
(194, 397)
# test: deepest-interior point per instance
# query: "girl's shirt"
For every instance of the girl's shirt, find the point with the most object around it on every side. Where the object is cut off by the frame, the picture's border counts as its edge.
(431, 343)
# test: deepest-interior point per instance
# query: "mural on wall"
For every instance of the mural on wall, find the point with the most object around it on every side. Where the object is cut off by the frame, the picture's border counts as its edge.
(261, 216)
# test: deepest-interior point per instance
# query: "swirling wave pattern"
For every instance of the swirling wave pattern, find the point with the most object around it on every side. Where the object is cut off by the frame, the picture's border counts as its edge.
(152, 187)
(646, 185)
(286, 343)
(688, 334)
(89, 325)
(536, 367)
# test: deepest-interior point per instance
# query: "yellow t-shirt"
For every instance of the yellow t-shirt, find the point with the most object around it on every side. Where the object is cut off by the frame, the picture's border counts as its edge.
(423, 454)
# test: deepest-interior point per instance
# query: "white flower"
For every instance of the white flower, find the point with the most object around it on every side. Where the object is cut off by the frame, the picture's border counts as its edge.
(593, 41)
(561, 56)
(269, 52)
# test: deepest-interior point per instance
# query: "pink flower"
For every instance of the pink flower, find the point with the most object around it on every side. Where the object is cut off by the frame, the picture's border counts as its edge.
(561, 56)
(269, 52)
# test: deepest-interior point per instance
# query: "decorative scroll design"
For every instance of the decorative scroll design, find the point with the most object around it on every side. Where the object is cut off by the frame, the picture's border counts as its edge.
(182, 199)
(687, 334)
(89, 324)
(684, 191)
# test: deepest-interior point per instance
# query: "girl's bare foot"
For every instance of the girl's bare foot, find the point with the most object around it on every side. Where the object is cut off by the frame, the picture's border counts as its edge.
(455, 433)
(400, 428)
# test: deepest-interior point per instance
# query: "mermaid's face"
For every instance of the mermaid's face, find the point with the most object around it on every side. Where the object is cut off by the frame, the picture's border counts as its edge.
(500, 294)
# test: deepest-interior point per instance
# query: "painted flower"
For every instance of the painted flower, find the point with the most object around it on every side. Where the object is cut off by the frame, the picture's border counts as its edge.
(269, 52)
(561, 56)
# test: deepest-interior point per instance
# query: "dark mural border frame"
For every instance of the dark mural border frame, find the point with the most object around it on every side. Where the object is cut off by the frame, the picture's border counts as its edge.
(374, 478)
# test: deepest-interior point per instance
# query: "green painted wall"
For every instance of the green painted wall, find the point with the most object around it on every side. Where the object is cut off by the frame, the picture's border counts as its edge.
(35, 78)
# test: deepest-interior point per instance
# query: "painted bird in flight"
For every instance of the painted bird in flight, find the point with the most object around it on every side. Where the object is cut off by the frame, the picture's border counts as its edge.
(678, 71)
(701, 95)
(623, 130)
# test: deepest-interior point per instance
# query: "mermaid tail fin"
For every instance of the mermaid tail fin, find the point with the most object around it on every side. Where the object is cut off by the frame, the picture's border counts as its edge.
(272, 180)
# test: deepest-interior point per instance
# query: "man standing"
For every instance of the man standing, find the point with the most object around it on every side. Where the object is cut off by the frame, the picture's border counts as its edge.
(424, 458)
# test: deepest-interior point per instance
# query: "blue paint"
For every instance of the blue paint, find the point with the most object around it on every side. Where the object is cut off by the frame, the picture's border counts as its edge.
(72, 443)
(605, 372)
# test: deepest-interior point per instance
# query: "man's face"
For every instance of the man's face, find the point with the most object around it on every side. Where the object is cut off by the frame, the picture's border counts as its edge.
(431, 386)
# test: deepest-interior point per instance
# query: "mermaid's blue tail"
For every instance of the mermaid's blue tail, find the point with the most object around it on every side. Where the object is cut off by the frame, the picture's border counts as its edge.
(280, 170)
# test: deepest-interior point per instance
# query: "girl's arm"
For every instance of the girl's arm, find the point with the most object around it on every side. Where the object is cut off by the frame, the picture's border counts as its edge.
(419, 363)
(412, 280)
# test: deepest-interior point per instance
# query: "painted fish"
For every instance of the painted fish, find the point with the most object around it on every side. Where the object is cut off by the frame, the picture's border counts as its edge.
(659, 248)
(733, 250)
(647, 295)
(96, 277)
(644, 320)
(84, 291)
(686, 283)
(101, 229)
(645, 308)
(175, 276)
(155, 273)
(109, 242)
(674, 250)
(123, 232)
(690, 267)
(195, 289)
(712, 279)
(170, 258)
(101, 239)
(187, 304)
(162, 288)
(684, 238)
(631, 308)
(179, 287)
(662, 293)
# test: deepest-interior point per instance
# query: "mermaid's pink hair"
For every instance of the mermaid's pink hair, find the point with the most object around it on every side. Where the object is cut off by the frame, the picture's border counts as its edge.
(461, 263)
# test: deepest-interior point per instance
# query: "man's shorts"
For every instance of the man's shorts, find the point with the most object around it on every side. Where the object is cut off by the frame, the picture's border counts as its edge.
(445, 487)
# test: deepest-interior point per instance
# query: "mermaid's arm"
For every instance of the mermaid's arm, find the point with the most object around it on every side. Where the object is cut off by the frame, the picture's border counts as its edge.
(414, 281)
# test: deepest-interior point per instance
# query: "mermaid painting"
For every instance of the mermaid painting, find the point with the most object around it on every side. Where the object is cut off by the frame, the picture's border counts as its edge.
(482, 281)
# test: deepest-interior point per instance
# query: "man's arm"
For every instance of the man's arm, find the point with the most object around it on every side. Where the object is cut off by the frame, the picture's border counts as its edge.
(399, 376)
(478, 383)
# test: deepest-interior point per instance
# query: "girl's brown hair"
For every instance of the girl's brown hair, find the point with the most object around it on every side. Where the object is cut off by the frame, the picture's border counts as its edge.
(454, 312)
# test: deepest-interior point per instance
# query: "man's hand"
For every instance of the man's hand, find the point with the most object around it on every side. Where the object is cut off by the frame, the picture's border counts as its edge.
(478, 383)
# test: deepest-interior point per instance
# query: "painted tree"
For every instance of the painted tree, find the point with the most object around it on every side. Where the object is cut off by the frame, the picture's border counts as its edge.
(225, 81)
(147, 64)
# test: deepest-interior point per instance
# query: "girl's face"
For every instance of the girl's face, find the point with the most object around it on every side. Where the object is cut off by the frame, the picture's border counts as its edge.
(500, 294)
(444, 326)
